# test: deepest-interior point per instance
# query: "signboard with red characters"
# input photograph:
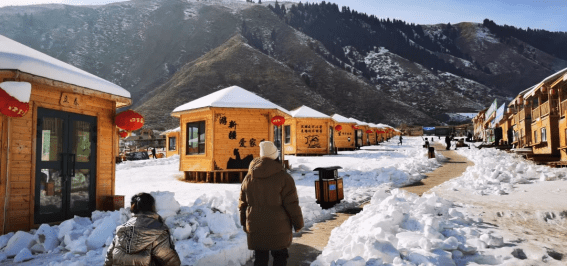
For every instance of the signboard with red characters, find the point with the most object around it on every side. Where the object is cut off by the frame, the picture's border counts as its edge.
(14, 98)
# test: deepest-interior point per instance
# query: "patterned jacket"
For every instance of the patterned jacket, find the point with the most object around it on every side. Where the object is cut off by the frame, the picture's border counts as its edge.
(143, 240)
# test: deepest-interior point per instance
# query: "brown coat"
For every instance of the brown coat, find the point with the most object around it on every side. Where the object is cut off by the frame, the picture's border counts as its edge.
(269, 206)
(143, 240)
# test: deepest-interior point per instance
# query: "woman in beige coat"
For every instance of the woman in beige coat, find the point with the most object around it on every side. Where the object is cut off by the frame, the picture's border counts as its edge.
(144, 239)
(269, 207)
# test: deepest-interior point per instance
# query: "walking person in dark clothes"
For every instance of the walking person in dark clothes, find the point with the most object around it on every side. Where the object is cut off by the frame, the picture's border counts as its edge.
(269, 207)
(400, 143)
(154, 152)
(448, 142)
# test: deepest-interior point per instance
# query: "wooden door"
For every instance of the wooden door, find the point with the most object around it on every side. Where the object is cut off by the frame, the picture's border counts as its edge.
(65, 166)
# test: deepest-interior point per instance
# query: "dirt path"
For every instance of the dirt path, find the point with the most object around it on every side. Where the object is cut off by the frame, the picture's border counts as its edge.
(309, 243)
(453, 168)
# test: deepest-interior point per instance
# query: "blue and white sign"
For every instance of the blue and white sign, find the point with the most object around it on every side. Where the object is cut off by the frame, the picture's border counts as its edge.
(332, 187)
(490, 111)
(428, 128)
(500, 113)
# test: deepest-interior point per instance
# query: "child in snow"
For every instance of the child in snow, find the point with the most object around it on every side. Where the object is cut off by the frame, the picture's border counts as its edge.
(144, 239)
(269, 207)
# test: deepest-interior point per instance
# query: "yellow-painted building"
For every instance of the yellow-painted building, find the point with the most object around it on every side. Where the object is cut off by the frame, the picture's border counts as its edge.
(58, 160)
(309, 132)
(221, 132)
(362, 138)
(172, 138)
(345, 137)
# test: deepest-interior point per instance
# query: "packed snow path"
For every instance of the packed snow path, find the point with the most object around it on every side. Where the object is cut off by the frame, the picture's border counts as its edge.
(454, 167)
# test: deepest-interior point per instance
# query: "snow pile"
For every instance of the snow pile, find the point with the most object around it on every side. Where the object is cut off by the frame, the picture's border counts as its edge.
(401, 228)
(130, 164)
(207, 233)
(496, 172)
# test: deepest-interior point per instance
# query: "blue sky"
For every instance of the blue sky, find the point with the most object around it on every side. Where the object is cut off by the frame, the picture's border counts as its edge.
(537, 14)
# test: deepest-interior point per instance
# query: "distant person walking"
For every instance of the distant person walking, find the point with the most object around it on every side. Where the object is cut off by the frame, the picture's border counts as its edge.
(448, 142)
(144, 239)
(400, 143)
(269, 207)
(154, 152)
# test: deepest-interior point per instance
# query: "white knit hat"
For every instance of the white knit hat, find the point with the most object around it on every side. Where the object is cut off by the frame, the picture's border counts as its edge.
(268, 149)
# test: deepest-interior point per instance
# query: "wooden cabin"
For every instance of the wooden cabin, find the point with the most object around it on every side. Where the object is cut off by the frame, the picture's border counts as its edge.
(523, 121)
(545, 117)
(478, 124)
(221, 132)
(345, 138)
(58, 160)
(373, 135)
(361, 135)
(309, 132)
(382, 132)
(172, 138)
(560, 86)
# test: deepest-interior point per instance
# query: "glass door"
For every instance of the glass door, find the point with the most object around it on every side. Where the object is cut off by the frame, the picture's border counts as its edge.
(358, 140)
(65, 166)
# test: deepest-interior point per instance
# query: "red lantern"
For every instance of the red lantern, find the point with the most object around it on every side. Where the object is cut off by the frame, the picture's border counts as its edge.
(355, 127)
(368, 131)
(338, 128)
(123, 134)
(15, 108)
(278, 120)
(129, 120)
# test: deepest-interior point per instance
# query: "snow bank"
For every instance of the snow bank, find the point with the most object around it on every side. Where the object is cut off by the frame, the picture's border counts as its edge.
(496, 172)
(401, 228)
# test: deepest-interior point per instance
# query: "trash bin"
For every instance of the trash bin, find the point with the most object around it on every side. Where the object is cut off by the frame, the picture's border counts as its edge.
(329, 187)
(431, 153)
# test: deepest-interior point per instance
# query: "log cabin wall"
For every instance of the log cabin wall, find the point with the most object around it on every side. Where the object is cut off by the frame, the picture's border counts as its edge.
(237, 136)
(372, 136)
(176, 147)
(342, 137)
(196, 162)
(290, 148)
(311, 136)
(19, 153)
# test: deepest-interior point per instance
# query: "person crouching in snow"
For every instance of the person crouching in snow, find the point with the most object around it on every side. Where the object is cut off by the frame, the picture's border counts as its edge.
(269, 207)
(144, 239)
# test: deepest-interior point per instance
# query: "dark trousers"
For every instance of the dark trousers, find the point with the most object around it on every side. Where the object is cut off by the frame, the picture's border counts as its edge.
(262, 257)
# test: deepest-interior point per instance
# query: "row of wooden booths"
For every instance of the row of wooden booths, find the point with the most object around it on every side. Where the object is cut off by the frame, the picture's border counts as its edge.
(534, 121)
(219, 134)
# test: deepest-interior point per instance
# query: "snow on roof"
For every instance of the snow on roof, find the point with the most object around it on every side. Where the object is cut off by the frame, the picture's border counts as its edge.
(552, 77)
(16, 56)
(19, 90)
(307, 112)
(380, 125)
(342, 119)
(178, 129)
(230, 97)
(359, 122)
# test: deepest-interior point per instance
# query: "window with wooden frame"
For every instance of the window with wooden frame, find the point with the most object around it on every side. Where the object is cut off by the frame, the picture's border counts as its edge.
(172, 143)
(195, 138)
(287, 130)
(543, 134)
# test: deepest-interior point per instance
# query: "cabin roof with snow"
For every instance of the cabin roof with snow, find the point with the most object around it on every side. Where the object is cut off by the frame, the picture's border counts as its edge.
(178, 129)
(550, 78)
(16, 56)
(230, 97)
(342, 119)
(307, 112)
(359, 122)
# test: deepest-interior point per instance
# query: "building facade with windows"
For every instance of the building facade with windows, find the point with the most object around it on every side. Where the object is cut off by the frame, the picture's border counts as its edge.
(220, 134)
(57, 160)
(345, 137)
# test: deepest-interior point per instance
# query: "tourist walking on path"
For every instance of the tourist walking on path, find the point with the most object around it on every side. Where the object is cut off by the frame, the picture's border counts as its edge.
(400, 143)
(448, 142)
(144, 239)
(269, 207)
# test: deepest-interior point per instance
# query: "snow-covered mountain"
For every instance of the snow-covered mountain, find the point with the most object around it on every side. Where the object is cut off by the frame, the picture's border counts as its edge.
(167, 52)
